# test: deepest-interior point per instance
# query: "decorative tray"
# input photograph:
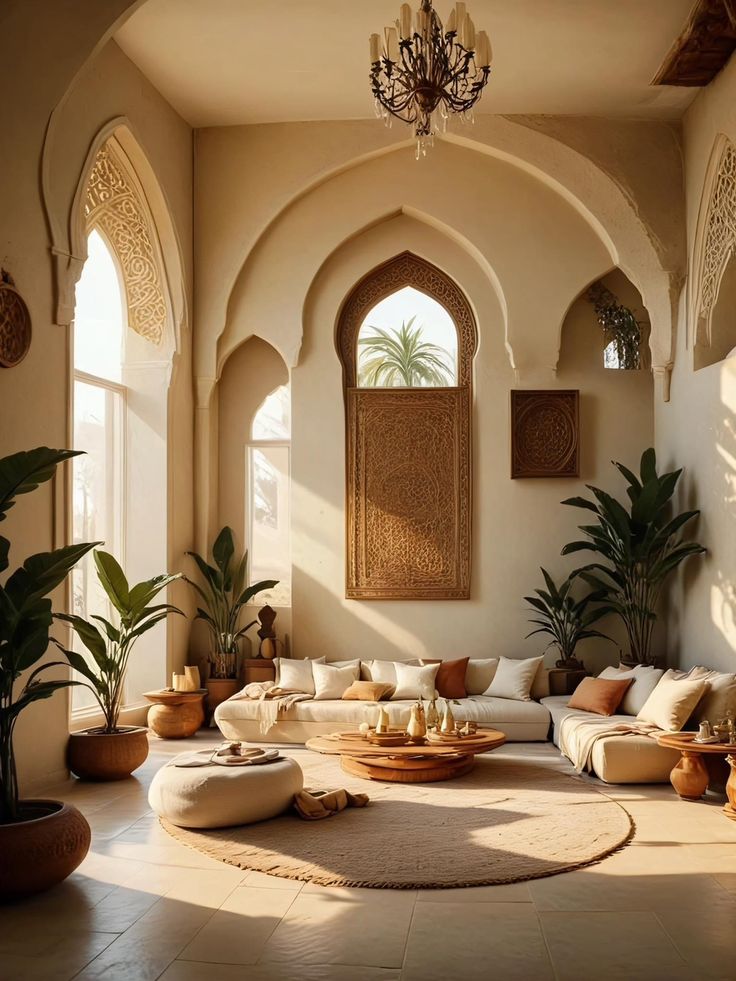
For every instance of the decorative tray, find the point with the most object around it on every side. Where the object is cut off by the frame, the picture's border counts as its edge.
(388, 738)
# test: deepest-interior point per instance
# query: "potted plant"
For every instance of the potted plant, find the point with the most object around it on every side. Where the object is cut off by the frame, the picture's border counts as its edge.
(111, 751)
(41, 841)
(224, 595)
(639, 547)
(565, 619)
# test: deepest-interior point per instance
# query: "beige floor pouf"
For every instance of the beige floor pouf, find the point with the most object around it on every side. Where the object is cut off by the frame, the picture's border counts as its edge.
(221, 796)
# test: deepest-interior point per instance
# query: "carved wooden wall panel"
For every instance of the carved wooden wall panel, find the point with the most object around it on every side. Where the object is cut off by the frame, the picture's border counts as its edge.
(408, 456)
(115, 206)
(545, 433)
(408, 490)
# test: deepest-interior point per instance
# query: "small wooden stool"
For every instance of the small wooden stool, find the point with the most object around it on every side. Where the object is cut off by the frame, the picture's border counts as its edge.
(175, 714)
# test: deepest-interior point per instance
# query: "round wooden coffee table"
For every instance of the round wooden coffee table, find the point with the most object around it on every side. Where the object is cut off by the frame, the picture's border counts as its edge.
(175, 714)
(407, 764)
(690, 775)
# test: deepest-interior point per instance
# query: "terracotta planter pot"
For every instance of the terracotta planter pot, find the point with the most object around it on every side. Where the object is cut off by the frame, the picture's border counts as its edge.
(95, 755)
(220, 689)
(40, 852)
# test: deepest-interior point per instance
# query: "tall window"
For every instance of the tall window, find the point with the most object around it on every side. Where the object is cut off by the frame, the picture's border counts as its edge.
(268, 505)
(407, 340)
(99, 430)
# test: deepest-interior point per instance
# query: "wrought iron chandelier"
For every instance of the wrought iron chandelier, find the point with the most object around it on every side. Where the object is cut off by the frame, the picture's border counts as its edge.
(425, 72)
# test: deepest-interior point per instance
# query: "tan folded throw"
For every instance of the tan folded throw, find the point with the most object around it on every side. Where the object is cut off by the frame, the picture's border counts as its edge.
(312, 805)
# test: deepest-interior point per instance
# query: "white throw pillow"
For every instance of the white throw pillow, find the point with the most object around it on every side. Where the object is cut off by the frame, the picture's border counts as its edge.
(645, 680)
(381, 671)
(352, 663)
(333, 682)
(513, 679)
(672, 702)
(295, 675)
(415, 682)
(479, 674)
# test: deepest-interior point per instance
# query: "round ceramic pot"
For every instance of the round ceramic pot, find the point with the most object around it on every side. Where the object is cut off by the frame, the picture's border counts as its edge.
(95, 755)
(42, 849)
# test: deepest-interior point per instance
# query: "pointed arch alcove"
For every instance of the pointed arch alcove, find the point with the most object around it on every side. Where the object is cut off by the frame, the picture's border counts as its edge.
(408, 454)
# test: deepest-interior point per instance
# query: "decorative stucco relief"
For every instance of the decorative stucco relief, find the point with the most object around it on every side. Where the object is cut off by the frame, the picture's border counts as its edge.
(718, 237)
(114, 204)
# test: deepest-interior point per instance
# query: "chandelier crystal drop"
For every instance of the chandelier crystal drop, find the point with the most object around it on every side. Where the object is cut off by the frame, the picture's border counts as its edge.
(423, 72)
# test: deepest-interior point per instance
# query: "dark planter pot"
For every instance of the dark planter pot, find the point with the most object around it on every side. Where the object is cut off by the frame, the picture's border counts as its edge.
(220, 689)
(95, 755)
(41, 850)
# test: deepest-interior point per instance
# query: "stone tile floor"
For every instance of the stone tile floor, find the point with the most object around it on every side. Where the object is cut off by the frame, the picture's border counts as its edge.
(142, 907)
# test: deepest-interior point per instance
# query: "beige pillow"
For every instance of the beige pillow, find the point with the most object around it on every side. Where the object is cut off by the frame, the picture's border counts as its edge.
(479, 674)
(383, 671)
(514, 678)
(368, 691)
(720, 698)
(332, 682)
(415, 682)
(644, 680)
(672, 702)
(293, 675)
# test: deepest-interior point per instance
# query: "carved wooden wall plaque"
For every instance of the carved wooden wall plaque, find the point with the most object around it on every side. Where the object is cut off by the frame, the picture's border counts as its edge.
(545, 433)
(408, 456)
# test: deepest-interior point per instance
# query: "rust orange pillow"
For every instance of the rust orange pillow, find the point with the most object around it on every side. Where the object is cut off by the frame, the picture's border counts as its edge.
(599, 695)
(450, 681)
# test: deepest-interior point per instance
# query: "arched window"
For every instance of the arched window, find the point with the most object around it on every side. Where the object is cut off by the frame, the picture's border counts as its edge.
(268, 504)
(407, 340)
(98, 500)
(123, 345)
(408, 434)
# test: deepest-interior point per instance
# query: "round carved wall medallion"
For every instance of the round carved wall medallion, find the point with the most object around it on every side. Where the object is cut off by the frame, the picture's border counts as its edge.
(15, 326)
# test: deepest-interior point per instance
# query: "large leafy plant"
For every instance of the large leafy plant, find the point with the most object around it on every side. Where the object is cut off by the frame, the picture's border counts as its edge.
(224, 594)
(25, 614)
(402, 358)
(565, 619)
(637, 548)
(111, 646)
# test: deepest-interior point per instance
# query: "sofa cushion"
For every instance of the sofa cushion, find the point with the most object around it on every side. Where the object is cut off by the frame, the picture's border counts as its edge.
(718, 701)
(332, 682)
(514, 679)
(296, 675)
(450, 682)
(599, 695)
(415, 681)
(383, 671)
(672, 702)
(644, 681)
(368, 691)
(479, 674)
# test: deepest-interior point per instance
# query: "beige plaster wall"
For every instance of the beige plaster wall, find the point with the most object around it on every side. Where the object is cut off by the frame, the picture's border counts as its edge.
(697, 431)
(44, 47)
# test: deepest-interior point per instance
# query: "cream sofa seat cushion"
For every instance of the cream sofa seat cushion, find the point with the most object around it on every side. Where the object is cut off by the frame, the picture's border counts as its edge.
(514, 679)
(331, 681)
(222, 796)
(645, 680)
(672, 702)
(415, 681)
(296, 675)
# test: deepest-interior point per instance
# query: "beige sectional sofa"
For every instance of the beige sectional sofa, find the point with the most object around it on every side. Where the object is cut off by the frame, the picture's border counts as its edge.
(629, 758)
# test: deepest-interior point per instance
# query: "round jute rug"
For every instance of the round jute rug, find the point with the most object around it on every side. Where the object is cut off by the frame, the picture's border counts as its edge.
(505, 821)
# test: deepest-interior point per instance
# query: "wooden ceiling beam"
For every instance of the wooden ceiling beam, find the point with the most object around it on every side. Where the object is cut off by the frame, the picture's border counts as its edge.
(704, 46)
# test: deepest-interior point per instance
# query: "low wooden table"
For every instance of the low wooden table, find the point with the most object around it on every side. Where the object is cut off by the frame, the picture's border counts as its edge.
(690, 775)
(410, 763)
(175, 714)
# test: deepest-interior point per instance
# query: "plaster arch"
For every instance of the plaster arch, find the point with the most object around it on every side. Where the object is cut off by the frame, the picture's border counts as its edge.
(69, 229)
(517, 226)
(606, 198)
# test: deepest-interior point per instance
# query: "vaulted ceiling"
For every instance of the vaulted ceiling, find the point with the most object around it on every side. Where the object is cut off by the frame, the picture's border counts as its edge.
(227, 62)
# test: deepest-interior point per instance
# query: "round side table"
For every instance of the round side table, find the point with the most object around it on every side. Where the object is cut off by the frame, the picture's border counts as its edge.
(690, 775)
(175, 714)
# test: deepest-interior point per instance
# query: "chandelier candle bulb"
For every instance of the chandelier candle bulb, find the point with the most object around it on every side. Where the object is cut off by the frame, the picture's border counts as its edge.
(469, 34)
(375, 46)
(483, 51)
(451, 23)
(392, 44)
(405, 20)
(459, 17)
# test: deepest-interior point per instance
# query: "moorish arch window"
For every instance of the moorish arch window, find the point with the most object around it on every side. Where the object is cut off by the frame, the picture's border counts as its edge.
(406, 337)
